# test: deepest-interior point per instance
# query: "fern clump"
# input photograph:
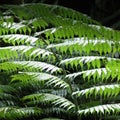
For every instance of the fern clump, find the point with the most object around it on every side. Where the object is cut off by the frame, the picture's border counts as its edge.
(57, 63)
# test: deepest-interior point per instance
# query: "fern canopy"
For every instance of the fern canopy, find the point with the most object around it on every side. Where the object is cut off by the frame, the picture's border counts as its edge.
(57, 64)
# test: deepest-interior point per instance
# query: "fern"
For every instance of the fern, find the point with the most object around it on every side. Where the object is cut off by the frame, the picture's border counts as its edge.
(57, 63)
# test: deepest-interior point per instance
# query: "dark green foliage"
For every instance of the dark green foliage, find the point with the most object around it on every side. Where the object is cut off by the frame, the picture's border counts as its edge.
(57, 63)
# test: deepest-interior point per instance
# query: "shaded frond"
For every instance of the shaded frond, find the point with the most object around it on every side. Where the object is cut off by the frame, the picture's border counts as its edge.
(55, 110)
(7, 97)
(7, 89)
(47, 10)
(15, 113)
(4, 103)
(36, 79)
(47, 98)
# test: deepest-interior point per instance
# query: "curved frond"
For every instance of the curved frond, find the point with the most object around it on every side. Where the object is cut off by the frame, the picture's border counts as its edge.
(36, 78)
(54, 99)
(29, 65)
(39, 66)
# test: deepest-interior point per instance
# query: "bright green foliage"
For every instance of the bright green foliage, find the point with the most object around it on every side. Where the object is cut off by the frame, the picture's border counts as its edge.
(57, 64)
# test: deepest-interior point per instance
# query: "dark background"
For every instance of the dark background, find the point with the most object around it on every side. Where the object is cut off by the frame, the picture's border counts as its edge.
(105, 11)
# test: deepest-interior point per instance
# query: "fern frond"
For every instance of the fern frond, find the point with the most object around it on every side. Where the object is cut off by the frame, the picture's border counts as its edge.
(72, 14)
(45, 10)
(39, 66)
(6, 53)
(114, 66)
(29, 66)
(19, 39)
(38, 23)
(4, 103)
(15, 113)
(102, 73)
(112, 117)
(9, 67)
(55, 110)
(36, 79)
(61, 92)
(94, 61)
(103, 90)
(14, 28)
(107, 109)
(54, 99)
(80, 29)
(7, 96)
(12, 52)
(80, 45)
(7, 89)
